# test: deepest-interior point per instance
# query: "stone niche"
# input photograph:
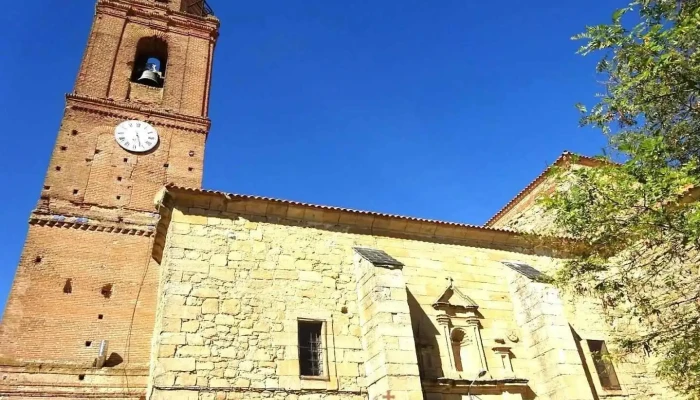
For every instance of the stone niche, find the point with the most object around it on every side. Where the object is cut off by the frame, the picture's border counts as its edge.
(459, 321)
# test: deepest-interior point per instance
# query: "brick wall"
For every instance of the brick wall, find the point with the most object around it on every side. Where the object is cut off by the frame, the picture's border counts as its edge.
(111, 50)
(88, 166)
(42, 323)
(94, 221)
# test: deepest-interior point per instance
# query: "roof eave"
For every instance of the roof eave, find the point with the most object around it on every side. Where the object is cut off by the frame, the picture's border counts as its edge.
(566, 158)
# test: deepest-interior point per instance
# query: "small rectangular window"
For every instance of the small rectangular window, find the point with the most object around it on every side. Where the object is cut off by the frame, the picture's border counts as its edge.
(603, 365)
(311, 352)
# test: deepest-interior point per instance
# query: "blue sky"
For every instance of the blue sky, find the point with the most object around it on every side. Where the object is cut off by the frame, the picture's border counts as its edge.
(436, 109)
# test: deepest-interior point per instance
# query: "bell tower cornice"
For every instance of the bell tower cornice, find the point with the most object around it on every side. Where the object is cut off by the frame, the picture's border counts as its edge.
(160, 18)
(126, 110)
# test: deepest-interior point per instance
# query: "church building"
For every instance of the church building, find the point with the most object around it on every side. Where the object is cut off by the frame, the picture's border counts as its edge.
(136, 283)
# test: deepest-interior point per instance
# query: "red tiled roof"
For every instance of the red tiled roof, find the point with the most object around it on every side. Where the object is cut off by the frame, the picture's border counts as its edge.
(565, 157)
(173, 187)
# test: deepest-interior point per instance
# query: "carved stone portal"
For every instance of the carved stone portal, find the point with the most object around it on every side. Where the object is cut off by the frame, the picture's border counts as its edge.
(460, 324)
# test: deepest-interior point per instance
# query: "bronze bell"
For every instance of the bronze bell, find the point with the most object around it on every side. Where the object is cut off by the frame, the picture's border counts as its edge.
(151, 76)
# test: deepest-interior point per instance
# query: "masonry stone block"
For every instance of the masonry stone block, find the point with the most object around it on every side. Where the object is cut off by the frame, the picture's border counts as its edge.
(377, 321)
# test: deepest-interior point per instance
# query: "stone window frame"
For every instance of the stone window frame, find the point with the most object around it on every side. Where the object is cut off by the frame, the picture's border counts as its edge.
(325, 376)
(601, 390)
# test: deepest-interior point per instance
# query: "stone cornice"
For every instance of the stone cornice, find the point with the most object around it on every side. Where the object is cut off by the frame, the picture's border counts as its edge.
(478, 386)
(208, 389)
(9, 366)
(364, 222)
(124, 110)
(203, 27)
(90, 224)
(75, 393)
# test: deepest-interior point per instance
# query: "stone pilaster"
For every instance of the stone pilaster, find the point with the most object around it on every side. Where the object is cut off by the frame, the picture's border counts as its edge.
(505, 366)
(390, 364)
(477, 358)
(448, 359)
(539, 312)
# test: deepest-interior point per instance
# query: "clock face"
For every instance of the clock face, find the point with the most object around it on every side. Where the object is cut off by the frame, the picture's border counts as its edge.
(136, 136)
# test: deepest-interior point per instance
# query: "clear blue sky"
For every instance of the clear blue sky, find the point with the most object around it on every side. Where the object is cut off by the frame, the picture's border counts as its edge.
(437, 109)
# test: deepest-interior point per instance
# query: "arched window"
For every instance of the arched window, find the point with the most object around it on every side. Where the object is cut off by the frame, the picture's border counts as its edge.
(150, 62)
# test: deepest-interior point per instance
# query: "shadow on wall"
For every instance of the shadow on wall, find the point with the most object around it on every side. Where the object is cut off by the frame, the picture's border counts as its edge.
(426, 337)
(114, 360)
(589, 376)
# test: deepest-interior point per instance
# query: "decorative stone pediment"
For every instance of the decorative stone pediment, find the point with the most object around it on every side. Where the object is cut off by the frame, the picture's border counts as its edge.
(453, 300)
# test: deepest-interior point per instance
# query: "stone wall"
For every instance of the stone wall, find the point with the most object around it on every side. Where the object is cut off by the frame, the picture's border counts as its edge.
(233, 291)
(234, 286)
(635, 371)
(524, 213)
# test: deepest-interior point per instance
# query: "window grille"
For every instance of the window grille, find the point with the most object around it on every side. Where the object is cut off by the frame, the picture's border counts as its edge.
(311, 352)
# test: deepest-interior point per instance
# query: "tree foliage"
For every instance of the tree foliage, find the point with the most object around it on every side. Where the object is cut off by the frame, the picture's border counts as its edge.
(638, 214)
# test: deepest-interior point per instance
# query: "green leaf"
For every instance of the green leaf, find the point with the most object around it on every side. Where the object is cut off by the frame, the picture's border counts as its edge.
(617, 15)
(639, 220)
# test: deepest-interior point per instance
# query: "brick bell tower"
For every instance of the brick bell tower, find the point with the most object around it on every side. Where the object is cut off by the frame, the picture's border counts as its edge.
(136, 120)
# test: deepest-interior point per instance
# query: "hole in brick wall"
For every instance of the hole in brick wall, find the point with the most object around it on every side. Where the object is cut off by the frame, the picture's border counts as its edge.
(75, 191)
(74, 132)
(190, 169)
(119, 197)
(166, 165)
(68, 287)
(98, 151)
(58, 168)
(119, 179)
(191, 153)
(37, 260)
(64, 148)
(47, 187)
(88, 160)
(120, 219)
(100, 316)
(81, 377)
(107, 290)
(126, 160)
(344, 310)
(88, 343)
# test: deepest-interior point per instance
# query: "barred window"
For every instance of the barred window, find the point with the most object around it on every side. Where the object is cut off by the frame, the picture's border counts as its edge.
(603, 365)
(311, 348)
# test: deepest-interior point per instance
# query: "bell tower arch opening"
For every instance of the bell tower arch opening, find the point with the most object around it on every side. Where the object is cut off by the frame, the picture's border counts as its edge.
(150, 62)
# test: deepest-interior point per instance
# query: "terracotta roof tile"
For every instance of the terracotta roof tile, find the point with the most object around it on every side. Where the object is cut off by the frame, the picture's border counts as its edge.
(172, 187)
(566, 156)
